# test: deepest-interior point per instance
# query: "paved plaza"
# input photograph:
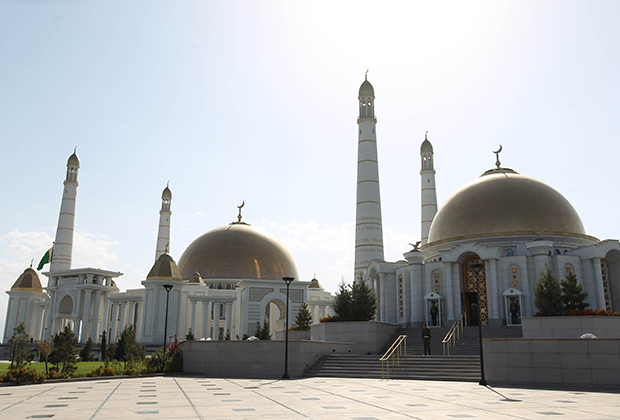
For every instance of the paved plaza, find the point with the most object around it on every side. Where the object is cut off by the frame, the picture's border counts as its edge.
(167, 397)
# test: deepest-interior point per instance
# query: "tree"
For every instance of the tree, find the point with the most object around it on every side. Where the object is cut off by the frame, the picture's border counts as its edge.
(303, 320)
(63, 357)
(20, 345)
(127, 349)
(364, 301)
(85, 353)
(573, 295)
(263, 333)
(343, 303)
(104, 346)
(190, 335)
(548, 294)
(45, 349)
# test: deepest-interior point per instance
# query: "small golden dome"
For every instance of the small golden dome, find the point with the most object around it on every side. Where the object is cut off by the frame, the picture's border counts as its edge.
(197, 278)
(73, 160)
(165, 269)
(504, 203)
(166, 194)
(366, 89)
(314, 284)
(237, 251)
(28, 282)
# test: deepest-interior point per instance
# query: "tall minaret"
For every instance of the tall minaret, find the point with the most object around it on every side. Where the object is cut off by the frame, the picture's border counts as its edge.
(163, 233)
(63, 245)
(429, 194)
(368, 226)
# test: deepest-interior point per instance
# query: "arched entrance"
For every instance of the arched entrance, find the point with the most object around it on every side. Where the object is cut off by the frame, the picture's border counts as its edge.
(275, 313)
(469, 293)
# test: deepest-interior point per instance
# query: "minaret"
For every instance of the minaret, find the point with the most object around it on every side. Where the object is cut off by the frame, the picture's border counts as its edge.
(163, 233)
(63, 245)
(368, 226)
(429, 193)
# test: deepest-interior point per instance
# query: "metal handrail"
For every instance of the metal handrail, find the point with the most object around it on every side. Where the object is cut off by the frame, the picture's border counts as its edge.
(394, 352)
(454, 333)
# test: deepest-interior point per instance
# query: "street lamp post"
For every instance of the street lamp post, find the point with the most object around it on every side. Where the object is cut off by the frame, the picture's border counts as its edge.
(168, 287)
(477, 268)
(288, 281)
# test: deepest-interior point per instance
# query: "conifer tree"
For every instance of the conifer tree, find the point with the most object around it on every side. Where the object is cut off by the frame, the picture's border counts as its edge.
(573, 295)
(63, 357)
(364, 302)
(19, 345)
(343, 304)
(85, 353)
(548, 294)
(303, 320)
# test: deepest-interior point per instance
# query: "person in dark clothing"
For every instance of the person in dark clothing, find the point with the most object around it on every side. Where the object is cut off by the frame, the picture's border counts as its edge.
(434, 313)
(426, 340)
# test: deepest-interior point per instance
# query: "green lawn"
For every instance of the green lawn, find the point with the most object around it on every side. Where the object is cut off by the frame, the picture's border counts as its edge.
(82, 367)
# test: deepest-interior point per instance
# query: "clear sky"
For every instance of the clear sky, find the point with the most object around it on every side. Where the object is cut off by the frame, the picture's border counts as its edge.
(257, 101)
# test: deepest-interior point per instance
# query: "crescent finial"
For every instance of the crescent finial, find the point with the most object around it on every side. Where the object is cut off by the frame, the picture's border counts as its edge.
(240, 207)
(497, 162)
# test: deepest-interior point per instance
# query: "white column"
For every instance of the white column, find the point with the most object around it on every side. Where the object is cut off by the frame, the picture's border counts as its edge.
(526, 307)
(449, 295)
(375, 287)
(193, 317)
(228, 328)
(114, 326)
(122, 323)
(94, 329)
(598, 277)
(216, 324)
(206, 306)
(132, 312)
(456, 292)
(105, 317)
(382, 297)
(86, 316)
(140, 309)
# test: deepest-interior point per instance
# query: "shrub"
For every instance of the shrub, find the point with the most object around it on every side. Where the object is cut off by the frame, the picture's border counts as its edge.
(23, 375)
(85, 353)
(101, 371)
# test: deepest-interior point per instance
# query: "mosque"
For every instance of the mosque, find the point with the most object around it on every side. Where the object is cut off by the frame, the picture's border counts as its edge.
(227, 281)
(501, 229)
(481, 252)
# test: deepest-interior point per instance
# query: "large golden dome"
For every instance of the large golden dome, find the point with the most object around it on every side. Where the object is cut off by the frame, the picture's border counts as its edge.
(237, 251)
(504, 203)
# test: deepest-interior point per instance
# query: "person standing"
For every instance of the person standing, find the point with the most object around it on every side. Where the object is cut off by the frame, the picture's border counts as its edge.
(426, 339)
(434, 313)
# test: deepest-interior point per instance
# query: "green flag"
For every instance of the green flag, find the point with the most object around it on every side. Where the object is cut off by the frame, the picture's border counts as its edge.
(47, 257)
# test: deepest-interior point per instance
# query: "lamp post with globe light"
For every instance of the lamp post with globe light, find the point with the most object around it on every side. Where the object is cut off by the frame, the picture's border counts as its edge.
(168, 287)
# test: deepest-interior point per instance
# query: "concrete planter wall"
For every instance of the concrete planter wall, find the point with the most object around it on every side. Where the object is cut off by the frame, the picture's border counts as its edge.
(588, 362)
(293, 335)
(571, 326)
(367, 337)
(254, 359)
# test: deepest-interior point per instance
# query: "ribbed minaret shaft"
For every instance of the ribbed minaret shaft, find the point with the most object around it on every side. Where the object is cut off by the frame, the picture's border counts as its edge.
(63, 245)
(163, 233)
(429, 193)
(368, 225)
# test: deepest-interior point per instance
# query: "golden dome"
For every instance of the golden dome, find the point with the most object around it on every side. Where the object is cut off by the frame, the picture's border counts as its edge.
(503, 203)
(237, 251)
(366, 89)
(28, 282)
(165, 269)
(166, 194)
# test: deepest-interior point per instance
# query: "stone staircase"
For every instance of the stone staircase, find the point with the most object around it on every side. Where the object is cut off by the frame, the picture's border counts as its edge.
(463, 363)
